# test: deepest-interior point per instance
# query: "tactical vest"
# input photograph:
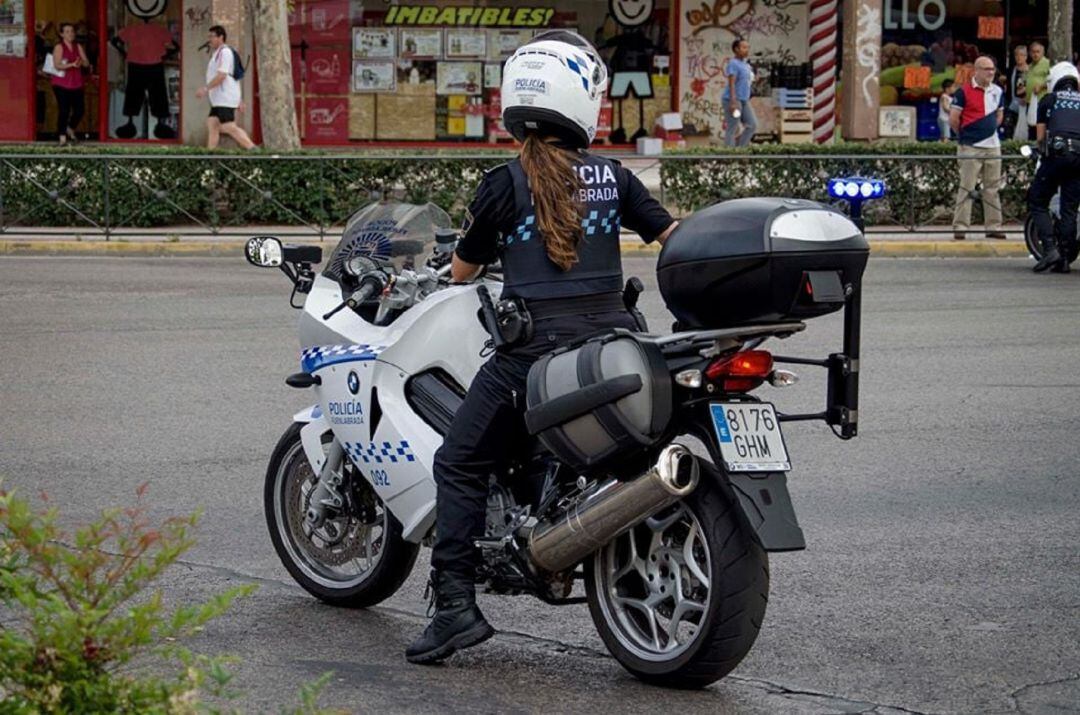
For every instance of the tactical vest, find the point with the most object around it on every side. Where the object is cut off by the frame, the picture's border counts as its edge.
(528, 272)
(1064, 117)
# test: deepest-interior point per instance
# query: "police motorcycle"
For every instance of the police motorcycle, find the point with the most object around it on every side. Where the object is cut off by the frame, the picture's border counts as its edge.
(671, 545)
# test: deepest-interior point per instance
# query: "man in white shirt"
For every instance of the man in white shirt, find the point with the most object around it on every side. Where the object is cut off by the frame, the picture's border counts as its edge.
(224, 92)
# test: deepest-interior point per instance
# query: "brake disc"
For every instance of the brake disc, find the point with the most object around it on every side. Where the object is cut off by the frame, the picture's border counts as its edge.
(341, 539)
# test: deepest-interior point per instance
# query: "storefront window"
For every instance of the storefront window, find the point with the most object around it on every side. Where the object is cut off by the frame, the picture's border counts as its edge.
(144, 69)
(432, 71)
(926, 43)
(48, 18)
(14, 67)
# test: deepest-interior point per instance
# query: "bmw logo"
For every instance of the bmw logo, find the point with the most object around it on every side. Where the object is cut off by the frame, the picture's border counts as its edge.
(354, 383)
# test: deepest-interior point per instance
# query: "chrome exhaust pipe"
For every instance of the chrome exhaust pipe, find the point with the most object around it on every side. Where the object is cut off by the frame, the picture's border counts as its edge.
(611, 509)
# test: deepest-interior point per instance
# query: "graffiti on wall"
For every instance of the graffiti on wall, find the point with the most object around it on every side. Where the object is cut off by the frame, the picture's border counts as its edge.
(776, 30)
(867, 50)
(198, 18)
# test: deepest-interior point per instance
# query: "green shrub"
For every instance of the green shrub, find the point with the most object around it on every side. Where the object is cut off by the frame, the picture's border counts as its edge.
(920, 190)
(75, 614)
(152, 187)
(313, 190)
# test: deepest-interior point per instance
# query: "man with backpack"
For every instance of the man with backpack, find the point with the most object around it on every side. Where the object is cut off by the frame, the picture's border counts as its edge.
(223, 87)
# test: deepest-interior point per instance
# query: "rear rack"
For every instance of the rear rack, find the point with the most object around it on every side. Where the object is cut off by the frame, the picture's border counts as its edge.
(686, 341)
(842, 395)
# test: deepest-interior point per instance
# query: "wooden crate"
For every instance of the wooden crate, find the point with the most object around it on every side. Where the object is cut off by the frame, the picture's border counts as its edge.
(796, 137)
(797, 115)
(407, 114)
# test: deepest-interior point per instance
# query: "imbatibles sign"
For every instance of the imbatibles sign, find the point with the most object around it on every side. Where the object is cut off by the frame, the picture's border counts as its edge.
(461, 16)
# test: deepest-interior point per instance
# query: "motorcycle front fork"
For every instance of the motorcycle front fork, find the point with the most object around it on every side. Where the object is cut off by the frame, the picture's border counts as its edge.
(327, 494)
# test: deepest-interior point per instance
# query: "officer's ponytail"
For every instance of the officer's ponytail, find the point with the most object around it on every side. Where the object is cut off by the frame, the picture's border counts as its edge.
(555, 186)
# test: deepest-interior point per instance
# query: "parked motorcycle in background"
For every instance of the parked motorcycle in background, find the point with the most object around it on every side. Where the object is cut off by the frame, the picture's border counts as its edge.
(671, 546)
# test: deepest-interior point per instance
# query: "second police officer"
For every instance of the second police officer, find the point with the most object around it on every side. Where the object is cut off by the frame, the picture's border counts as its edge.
(552, 216)
(1058, 132)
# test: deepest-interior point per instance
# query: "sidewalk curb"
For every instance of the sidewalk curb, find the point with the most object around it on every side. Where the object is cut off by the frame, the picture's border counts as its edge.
(196, 248)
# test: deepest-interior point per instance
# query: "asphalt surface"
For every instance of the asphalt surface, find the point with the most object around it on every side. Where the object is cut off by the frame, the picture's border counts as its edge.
(942, 572)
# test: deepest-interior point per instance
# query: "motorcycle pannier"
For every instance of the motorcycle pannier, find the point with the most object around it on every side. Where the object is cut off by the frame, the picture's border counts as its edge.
(589, 402)
(759, 260)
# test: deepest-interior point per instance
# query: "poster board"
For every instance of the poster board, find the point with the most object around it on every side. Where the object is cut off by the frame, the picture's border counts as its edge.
(373, 76)
(421, 43)
(458, 78)
(374, 43)
(465, 43)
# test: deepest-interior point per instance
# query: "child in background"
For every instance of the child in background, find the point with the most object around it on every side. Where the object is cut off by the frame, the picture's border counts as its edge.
(944, 105)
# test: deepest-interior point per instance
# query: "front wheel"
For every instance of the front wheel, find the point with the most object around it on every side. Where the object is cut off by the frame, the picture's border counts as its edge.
(357, 558)
(680, 598)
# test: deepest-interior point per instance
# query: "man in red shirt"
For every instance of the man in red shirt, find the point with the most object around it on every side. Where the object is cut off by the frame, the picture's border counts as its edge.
(145, 45)
(975, 115)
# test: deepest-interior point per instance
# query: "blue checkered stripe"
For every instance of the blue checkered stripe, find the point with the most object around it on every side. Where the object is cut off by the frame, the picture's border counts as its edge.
(592, 224)
(581, 66)
(376, 453)
(312, 359)
(608, 224)
(523, 232)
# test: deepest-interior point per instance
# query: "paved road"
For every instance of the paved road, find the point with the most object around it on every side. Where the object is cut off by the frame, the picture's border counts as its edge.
(942, 573)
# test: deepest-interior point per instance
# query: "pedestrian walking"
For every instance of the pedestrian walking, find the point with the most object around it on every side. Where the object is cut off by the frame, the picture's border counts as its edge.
(944, 105)
(975, 116)
(740, 122)
(223, 89)
(68, 61)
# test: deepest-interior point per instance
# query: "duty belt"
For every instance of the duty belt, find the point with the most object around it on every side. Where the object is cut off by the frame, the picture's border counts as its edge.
(578, 305)
(1063, 145)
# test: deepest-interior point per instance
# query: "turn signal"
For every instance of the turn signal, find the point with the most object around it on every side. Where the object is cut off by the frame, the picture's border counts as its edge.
(741, 372)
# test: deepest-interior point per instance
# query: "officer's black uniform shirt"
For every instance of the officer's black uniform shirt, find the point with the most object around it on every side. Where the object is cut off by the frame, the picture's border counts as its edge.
(1060, 112)
(492, 214)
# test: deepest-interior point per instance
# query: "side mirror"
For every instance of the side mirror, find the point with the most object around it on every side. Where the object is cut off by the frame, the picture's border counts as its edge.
(264, 252)
(1026, 151)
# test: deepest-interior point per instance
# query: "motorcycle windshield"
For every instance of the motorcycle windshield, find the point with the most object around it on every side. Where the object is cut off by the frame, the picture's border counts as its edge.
(391, 232)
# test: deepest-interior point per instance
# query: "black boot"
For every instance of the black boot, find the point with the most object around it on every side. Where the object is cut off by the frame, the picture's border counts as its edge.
(1063, 265)
(457, 622)
(1052, 258)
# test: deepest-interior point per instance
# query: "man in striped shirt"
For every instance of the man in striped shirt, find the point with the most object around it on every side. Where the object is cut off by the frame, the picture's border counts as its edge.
(975, 116)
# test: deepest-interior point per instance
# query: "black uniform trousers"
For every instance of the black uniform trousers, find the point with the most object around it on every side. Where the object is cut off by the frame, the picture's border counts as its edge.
(488, 431)
(1061, 171)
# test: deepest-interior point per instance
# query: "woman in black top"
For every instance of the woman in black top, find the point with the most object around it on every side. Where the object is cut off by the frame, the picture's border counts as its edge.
(553, 217)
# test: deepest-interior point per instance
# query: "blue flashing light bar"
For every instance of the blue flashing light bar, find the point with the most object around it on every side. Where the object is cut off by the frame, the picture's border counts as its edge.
(856, 188)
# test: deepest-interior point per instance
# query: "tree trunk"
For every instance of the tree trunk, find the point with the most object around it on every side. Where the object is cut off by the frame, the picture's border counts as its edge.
(861, 75)
(277, 106)
(1060, 31)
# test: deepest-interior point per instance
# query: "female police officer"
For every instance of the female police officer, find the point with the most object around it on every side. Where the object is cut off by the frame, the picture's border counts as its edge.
(552, 215)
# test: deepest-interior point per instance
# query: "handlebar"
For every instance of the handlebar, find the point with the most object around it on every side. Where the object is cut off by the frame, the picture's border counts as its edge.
(368, 288)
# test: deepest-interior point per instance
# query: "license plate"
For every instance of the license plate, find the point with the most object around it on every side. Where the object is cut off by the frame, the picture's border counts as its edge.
(749, 437)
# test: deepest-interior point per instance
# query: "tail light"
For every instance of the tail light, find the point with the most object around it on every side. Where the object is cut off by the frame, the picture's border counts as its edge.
(742, 371)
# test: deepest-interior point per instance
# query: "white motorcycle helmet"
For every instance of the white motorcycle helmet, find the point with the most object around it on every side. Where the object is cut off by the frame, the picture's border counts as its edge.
(1061, 71)
(554, 84)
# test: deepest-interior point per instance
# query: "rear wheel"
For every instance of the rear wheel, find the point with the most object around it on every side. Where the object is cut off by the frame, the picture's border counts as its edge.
(680, 598)
(358, 557)
(1031, 238)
